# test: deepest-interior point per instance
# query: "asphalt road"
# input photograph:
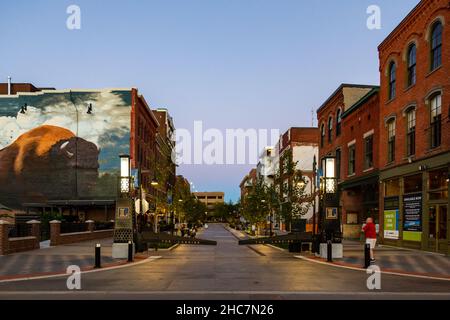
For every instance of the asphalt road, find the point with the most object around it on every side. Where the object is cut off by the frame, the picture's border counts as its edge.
(227, 271)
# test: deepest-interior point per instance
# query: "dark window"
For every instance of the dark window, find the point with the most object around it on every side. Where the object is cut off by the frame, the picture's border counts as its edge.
(338, 163)
(392, 80)
(338, 122)
(412, 65)
(391, 141)
(413, 183)
(330, 129)
(411, 132)
(322, 135)
(435, 123)
(436, 46)
(368, 152)
(351, 159)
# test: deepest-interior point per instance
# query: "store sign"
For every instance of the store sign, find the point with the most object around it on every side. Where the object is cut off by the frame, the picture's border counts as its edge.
(332, 213)
(412, 217)
(391, 220)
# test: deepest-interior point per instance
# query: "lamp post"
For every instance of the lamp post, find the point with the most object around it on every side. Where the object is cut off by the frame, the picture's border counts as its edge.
(125, 173)
(329, 221)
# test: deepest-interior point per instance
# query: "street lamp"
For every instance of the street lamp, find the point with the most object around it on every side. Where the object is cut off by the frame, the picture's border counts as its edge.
(329, 220)
(328, 185)
(125, 173)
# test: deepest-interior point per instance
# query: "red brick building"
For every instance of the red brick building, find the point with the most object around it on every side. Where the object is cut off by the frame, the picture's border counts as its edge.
(336, 138)
(414, 129)
(144, 128)
(359, 164)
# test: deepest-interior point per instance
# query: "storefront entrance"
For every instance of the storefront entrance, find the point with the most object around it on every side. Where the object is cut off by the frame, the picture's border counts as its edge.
(438, 215)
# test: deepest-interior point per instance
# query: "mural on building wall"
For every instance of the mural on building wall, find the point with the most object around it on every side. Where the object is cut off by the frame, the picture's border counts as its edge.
(62, 145)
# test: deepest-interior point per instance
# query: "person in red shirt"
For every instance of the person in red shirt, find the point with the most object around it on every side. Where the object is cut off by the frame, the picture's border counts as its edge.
(370, 232)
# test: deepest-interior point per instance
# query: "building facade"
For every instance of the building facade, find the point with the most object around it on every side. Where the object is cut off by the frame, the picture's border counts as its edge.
(344, 142)
(301, 146)
(59, 149)
(358, 168)
(414, 129)
(210, 199)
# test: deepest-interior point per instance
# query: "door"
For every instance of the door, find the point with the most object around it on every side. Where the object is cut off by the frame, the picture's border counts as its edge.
(438, 228)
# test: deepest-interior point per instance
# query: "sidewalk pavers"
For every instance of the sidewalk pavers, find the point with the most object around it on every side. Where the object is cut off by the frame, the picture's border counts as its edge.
(54, 259)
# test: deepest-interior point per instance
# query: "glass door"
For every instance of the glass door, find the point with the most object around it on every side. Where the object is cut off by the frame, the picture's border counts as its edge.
(438, 228)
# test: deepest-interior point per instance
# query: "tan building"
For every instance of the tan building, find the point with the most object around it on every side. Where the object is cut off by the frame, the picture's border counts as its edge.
(210, 199)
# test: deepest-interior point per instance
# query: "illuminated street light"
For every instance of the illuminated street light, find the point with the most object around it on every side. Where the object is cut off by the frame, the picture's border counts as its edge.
(328, 184)
(125, 173)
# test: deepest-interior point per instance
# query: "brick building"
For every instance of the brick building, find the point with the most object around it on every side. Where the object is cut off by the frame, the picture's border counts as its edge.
(336, 138)
(301, 146)
(359, 164)
(165, 165)
(144, 128)
(75, 173)
(414, 129)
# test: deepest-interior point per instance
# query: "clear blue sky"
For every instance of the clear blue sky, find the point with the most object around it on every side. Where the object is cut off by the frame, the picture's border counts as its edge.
(230, 63)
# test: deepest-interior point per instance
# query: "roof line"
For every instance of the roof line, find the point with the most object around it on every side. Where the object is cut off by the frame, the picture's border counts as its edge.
(343, 85)
(357, 104)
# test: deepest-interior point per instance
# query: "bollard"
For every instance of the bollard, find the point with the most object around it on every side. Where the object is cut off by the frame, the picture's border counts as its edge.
(156, 246)
(366, 255)
(97, 256)
(130, 251)
(329, 251)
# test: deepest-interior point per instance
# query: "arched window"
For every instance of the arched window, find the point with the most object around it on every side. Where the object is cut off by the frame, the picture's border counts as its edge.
(435, 120)
(330, 129)
(411, 132)
(436, 46)
(322, 135)
(412, 65)
(392, 80)
(338, 122)
(391, 140)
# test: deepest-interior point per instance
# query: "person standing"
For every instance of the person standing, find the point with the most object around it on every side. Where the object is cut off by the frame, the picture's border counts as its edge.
(370, 233)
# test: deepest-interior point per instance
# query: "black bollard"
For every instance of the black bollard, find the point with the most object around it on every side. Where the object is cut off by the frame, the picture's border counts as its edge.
(329, 251)
(97, 256)
(366, 255)
(130, 251)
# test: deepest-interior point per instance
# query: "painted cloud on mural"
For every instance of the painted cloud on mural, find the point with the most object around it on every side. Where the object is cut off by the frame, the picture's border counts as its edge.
(106, 117)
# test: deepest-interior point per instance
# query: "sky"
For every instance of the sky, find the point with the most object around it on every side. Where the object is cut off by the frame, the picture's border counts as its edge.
(250, 64)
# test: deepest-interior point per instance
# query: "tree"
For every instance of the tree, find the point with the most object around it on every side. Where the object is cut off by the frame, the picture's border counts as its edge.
(225, 212)
(255, 207)
(195, 211)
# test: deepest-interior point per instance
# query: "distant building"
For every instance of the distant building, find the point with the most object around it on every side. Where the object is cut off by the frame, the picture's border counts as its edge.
(165, 165)
(301, 144)
(247, 183)
(210, 199)
(265, 168)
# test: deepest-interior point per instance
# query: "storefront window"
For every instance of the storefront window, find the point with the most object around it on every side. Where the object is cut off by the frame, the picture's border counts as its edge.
(392, 187)
(438, 184)
(413, 183)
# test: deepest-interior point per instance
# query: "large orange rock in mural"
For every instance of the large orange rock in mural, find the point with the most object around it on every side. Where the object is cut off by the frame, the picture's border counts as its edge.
(47, 163)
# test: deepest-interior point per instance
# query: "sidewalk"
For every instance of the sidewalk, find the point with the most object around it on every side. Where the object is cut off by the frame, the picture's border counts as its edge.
(55, 259)
(397, 260)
